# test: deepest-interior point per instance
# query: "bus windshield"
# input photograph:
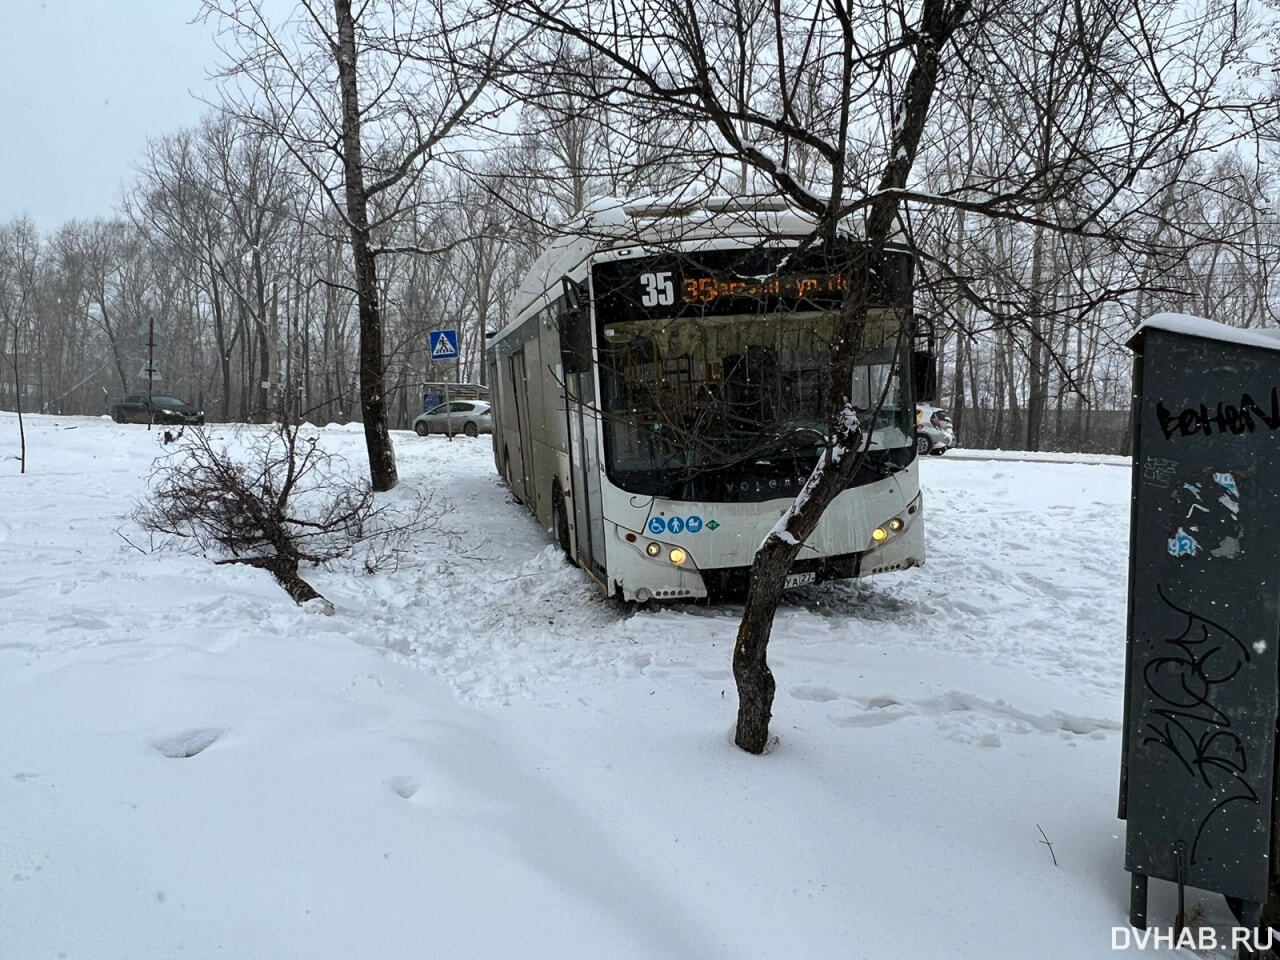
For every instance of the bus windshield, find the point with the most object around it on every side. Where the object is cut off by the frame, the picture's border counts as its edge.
(731, 406)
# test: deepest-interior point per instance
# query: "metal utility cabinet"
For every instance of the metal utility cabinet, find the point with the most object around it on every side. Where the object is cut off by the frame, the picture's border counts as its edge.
(1196, 780)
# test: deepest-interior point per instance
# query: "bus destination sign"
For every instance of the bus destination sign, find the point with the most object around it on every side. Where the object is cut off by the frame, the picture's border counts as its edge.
(659, 289)
(710, 289)
(725, 282)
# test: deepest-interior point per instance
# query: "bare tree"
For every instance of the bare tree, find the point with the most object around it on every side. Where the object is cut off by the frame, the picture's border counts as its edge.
(275, 500)
(1111, 88)
(364, 97)
(19, 249)
(180, 204)
(671, 57)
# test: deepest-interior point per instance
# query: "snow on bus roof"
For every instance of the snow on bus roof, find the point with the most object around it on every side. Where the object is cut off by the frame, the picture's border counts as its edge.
(658, 221)
(1192, 326)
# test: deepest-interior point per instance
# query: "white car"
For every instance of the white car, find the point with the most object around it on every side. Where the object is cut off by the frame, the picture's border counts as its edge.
(470, 417)
(935, 433)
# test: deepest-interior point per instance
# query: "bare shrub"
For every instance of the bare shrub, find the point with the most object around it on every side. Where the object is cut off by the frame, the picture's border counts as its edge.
(276, 499)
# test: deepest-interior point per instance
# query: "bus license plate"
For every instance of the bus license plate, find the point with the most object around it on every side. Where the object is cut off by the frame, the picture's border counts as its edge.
(799, 579)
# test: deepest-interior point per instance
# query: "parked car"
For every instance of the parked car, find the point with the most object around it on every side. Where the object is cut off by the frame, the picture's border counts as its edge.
(934, 431)
(471, 417)
(140, 408)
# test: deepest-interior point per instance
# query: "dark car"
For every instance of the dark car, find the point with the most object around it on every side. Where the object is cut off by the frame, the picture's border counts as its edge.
(140, 408)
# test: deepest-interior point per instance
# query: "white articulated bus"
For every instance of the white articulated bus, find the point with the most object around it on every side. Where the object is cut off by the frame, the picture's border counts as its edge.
(658, 399)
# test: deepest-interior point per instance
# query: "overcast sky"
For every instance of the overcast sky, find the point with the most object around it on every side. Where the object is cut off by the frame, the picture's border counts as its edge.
(85, 83)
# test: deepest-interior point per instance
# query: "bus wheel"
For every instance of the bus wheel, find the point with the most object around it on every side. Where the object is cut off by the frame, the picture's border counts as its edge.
(560, 522)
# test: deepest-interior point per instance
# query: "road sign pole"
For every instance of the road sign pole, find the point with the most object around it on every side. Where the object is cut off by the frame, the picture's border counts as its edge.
(444, 346)
(457, 376)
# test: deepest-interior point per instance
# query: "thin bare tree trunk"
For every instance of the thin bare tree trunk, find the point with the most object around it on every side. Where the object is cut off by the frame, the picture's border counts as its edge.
(382, 456)
(1037, 387)
(834, 470)
(17, 403)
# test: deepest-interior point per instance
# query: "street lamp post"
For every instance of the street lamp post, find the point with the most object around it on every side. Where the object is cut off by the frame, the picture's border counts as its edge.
(151, 368)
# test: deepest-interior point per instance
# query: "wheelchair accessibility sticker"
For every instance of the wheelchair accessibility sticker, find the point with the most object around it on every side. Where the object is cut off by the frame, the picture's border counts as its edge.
(659, 525)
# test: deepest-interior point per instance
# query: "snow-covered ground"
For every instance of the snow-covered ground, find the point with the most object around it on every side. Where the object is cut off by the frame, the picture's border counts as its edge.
(479, 757)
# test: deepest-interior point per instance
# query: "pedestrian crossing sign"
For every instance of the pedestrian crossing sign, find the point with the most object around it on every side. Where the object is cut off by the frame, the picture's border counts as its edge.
(444, 344)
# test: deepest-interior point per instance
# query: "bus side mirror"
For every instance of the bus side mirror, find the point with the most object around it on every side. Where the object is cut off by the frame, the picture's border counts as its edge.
(924, 362)
(924, 374)
(574, 328)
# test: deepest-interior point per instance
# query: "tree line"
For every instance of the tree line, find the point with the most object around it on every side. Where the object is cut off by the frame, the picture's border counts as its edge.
(1080, 168)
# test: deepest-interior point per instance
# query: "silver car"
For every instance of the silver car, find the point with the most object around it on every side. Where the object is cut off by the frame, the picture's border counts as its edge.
(470, 417)
(935, 433)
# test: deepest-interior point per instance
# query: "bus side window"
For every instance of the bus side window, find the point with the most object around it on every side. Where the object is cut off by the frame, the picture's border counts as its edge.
(573, 327)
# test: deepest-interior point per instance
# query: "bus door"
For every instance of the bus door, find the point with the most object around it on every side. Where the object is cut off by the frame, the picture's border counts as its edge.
(520, 396)
(574, 326)
(584, 466)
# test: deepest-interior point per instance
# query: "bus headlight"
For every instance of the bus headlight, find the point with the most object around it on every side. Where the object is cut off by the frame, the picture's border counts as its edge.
(894, 525)
(660, 550)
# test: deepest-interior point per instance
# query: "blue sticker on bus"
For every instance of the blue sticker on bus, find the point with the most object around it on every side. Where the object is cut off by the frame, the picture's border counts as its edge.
(693, 524)
(657, 525)
(675, 525)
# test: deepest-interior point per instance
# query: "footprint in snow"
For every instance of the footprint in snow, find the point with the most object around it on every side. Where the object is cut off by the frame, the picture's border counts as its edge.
(817, 694)
(403, 787)
(969, 719)
(181, 746)
(876, 712)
